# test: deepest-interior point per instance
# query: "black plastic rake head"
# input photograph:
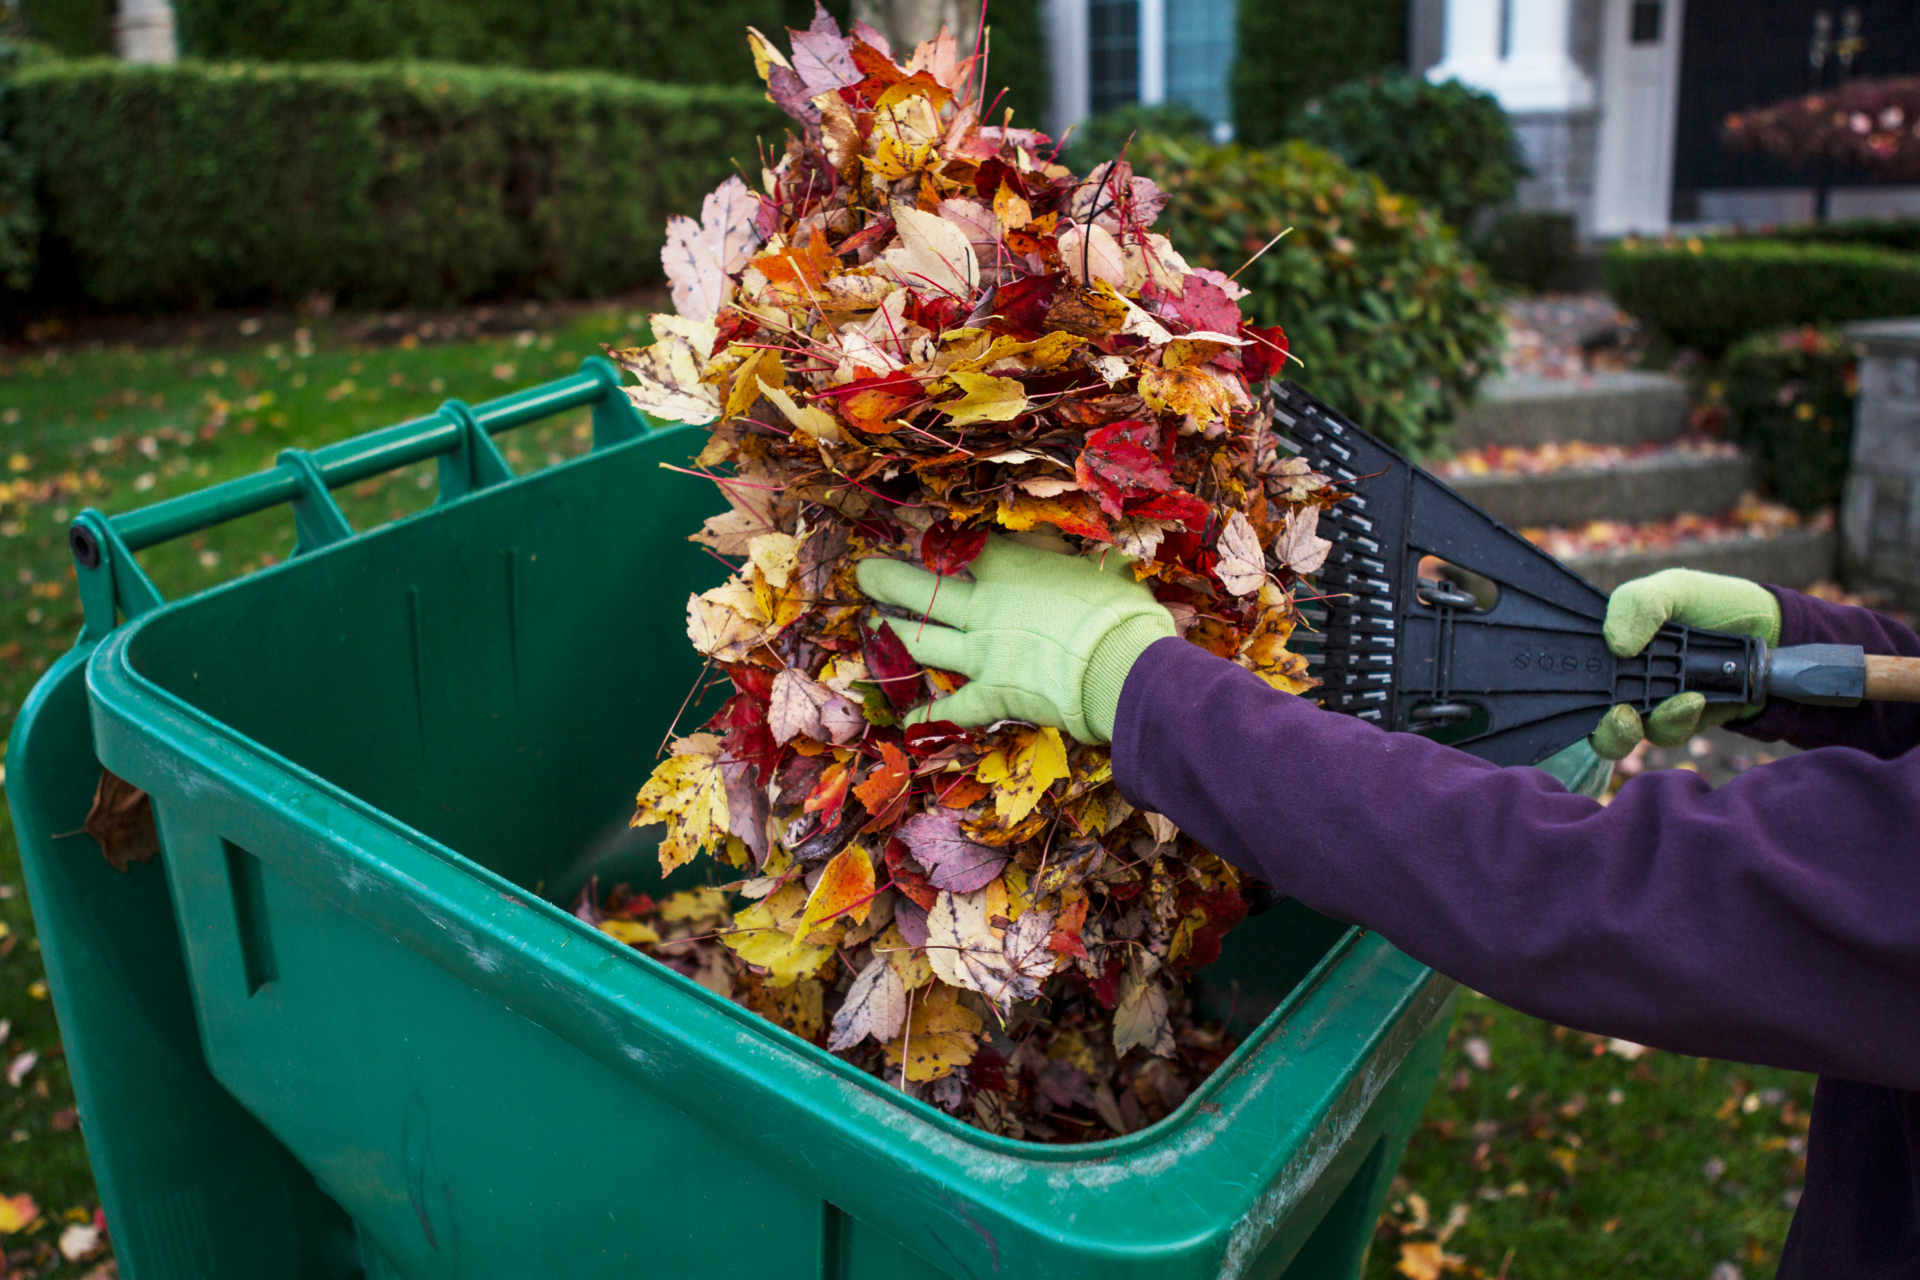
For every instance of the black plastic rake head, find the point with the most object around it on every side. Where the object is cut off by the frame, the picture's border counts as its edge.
(1504, 660)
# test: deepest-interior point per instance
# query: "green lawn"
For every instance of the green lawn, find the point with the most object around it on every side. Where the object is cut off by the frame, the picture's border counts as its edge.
(1550, 1154)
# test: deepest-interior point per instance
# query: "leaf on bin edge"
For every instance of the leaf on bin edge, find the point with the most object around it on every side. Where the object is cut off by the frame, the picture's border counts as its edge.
(121, 820)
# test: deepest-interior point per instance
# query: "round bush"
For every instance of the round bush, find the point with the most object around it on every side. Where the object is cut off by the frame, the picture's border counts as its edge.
(1394, 322)
(1789, 398)
(1445, 144)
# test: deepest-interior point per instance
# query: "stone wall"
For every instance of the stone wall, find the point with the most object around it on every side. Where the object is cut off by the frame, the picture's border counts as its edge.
(1880, 511)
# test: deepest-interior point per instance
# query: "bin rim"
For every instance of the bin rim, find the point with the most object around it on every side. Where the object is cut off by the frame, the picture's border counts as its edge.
(115, 653)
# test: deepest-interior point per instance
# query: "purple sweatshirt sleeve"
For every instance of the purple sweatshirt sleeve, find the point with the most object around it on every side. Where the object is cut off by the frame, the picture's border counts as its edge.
(1774, 920)
(1886, 729)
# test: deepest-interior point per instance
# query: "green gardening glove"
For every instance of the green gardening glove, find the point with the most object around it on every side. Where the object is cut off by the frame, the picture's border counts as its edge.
(1641, 607)
(1042, 636)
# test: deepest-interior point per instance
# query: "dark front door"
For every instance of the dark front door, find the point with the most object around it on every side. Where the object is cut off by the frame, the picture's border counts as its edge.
(1738, 54)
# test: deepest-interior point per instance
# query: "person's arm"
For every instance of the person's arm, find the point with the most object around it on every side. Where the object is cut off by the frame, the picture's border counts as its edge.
(1775, 920)
(1884, 728)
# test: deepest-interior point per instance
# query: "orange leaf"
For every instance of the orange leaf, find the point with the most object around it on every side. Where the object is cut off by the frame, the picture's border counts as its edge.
(1073, 513)
(829, 794)
(965, 793)
(917, 84)
(886, 786)
(845, 891)
(1066, 931)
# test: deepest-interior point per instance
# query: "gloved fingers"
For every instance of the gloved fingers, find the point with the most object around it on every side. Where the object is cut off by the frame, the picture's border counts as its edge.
(1639, 608)
(1618, 733)
(1676, 719)
(932, 645)
(971, 706)
(909, 586)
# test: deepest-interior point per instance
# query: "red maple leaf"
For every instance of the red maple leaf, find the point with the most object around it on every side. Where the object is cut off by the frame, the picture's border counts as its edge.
(891, 666)
(948, 549)
(1265, 353)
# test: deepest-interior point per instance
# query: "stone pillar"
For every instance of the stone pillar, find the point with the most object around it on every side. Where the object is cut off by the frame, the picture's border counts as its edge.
(1153, 51)
(1545, 91)
(1066, 24)
(1471, 42)
(1880, 509)
(143, 32)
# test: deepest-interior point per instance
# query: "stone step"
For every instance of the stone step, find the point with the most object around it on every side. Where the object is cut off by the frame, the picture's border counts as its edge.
(1797, 558)
(1603, 408)
(1656, 486)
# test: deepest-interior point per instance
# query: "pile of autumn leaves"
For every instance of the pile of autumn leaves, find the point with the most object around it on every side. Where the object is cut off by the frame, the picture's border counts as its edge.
(922, 331)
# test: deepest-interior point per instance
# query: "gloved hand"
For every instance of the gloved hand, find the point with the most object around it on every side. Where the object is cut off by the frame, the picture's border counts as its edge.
(1043, 636)
(1641, 607)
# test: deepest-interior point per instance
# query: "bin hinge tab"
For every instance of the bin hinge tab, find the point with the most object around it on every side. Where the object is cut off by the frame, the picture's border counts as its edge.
(112, 583)
(316, 516)
(475, 463)
(615, 419)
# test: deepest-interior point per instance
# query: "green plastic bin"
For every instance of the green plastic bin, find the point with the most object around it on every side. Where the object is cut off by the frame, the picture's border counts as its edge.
(339, 1028)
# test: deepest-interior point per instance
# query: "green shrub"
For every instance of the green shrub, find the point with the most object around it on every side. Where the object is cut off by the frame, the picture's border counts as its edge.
(195, 184)
(1538, 251)
(1394, 322)
(1710, 293)
(1286, 51)
(1445, 144)
(1097, 140)
(1788, 395)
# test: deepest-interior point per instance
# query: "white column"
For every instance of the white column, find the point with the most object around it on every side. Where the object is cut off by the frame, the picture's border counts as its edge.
(1539, 74)
(1153, 51)
(1067, 61)
(143, 32)
(1472, 44)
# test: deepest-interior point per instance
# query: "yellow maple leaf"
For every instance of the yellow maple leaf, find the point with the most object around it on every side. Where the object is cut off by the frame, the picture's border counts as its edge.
(987, 399)
(631, 932)
(694, 906)
(760, 368)
(909, 962)
(800, 1008)
(17, 1213)
(1194, 392)
(940, 1035)
(767, 934)
(1265, 651)
(1425, 1260)
(687, 793)
(1019, 777)
(844, 891)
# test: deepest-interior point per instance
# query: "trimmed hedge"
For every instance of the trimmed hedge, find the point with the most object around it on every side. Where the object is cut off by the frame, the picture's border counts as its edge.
(1394, 323)
(1286, 51)
(197, 185)
(1710, 293)
(671, 41)
(1902, 235)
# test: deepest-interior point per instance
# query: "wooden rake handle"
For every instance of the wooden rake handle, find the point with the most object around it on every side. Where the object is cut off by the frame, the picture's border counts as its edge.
(1892, 679)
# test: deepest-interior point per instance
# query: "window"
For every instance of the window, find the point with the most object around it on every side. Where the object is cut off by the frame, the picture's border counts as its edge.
(1646, 22)
(1200, 55)
(1113, 53)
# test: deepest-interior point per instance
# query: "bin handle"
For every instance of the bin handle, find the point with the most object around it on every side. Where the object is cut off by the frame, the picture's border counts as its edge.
(114, 586)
